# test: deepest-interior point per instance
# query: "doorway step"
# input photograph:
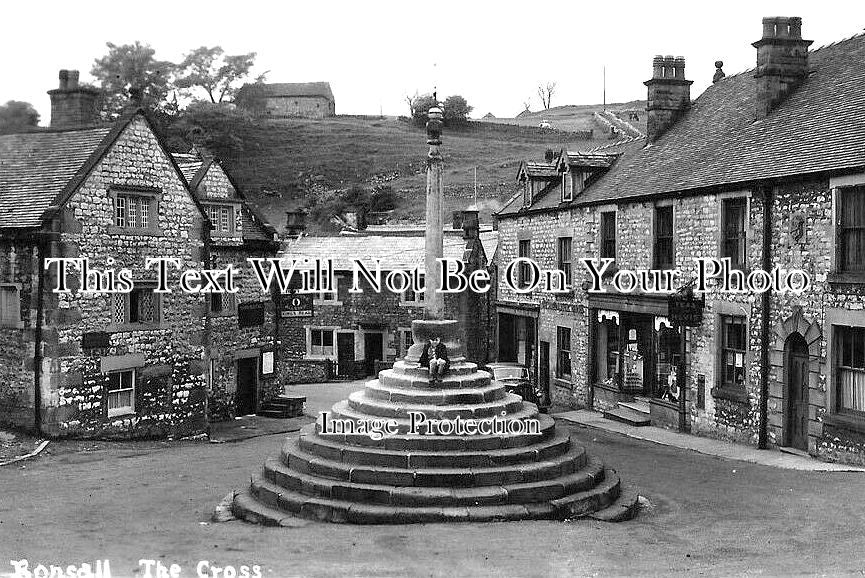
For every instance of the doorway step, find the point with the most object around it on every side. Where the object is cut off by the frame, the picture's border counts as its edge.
(635, 413)
(283, 407)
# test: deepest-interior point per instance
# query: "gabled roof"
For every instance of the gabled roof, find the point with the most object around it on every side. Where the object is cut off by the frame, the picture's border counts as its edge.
(36, 167)
(585, 159)
(196, 166)
(819, 128)
(289, 89)
(537, 169)
(40, 170)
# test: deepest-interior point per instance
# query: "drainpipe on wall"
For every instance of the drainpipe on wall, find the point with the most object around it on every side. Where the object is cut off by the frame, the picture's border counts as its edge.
(37, 337)
(762, 441)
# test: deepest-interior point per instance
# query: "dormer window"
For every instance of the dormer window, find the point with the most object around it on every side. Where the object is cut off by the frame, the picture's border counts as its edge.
(573, 183)
(222, 218)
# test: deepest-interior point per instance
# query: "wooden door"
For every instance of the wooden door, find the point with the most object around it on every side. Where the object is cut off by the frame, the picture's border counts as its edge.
(373, 350)
(797, 393)
(345, 354)
(247, 385)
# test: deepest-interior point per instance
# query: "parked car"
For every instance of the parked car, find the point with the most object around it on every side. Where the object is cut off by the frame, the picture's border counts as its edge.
(516, 379)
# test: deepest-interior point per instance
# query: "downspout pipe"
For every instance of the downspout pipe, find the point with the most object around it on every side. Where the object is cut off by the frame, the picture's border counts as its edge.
(766, 298)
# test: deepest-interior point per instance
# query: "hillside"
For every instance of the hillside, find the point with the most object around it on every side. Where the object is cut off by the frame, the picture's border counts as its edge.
(282, 164)
(578, 117)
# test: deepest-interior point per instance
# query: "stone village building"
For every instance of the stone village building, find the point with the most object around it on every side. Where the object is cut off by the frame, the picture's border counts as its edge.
(241, 327)
(766, 168)
(288, 99)
(357, 334)
(131, 364)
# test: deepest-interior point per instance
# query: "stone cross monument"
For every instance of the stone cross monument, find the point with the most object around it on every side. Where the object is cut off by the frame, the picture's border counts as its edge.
(433, 301)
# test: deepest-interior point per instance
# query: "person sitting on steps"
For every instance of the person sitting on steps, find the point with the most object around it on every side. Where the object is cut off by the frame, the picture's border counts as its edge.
(435, 357)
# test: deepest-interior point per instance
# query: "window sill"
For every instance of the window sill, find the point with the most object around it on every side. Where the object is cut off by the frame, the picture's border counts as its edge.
(130, 327)
(846, 278)
(114, 230)
(563, 382)
(327, 303)
(734, 395)
(846, 421)
(12, 325)
(126, 412)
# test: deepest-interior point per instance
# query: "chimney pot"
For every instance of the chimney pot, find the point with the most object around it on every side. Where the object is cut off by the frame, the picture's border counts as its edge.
(471, 224)
(295, 223)
(669, 94)
(71, 104)
(782, 61)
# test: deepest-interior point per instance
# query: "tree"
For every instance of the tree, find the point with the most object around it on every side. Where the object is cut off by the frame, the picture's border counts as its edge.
(421, 107)
(214, 72)
(16, 116)
(456, 110)
(410, 101)
(546, 91)
(133, 66)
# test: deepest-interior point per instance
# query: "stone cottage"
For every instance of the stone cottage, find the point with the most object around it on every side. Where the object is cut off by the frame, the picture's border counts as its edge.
(765, 170)
(76, 358)
(241, 327)
(288, 99)
(353, 334)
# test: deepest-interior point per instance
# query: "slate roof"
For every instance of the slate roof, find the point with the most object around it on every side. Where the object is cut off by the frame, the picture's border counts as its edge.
(588, 159)
(188, 163)
(289, 89)
(820, 127)
(538, 169)
(194, 167)
(401, 253)
(37, 167)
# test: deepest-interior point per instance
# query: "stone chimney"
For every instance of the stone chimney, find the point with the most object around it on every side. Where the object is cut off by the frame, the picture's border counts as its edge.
(295, 224)
(73, 105)
(470, 224)
(782, 61)
(549, 155)
(669, 95)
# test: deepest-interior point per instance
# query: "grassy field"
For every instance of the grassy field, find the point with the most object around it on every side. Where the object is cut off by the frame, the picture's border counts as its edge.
(283, 163)
(576, 117)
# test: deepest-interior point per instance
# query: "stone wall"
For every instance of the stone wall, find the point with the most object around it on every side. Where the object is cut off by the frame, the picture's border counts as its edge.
(802, 237)
(300, 106)
(17, 342)
(170, 394)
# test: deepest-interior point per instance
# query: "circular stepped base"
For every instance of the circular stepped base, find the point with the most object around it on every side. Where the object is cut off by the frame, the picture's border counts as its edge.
(414, 478)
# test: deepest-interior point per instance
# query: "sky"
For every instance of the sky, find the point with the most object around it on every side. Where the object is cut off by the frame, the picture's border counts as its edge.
(374, 53)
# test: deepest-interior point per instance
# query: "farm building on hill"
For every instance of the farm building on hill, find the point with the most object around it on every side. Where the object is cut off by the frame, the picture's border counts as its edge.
(288, 99)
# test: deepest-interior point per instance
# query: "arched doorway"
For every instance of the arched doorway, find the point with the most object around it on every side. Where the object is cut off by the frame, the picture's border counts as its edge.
(796, 412)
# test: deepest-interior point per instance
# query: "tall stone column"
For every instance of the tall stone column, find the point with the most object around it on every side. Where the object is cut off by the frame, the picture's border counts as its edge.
(433, 301)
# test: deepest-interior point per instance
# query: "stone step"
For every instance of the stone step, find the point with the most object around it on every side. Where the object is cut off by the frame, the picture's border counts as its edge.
(422, 381)
(588, 501)
(626, 506)
(274, 506)
(508, 404)
(637, 405)
(628, 416)
(561, 465)
(433, 396)
(277, 478)
(405, 442)
(344, 410)
(279, 413)
(411, 368)
(330, 449)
